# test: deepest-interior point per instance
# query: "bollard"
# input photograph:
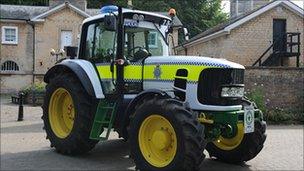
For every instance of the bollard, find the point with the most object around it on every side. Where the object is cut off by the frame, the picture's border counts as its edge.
(20, 112)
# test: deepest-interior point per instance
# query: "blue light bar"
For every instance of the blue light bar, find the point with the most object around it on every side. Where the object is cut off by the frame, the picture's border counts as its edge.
(108, 9)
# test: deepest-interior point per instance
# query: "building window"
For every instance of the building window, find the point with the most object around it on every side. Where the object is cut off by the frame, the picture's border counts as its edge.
(66, 38)
(9, 35)
(152, 40)
(9, 66)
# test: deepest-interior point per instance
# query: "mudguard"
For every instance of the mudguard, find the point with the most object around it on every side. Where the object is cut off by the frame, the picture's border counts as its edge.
(85, 72)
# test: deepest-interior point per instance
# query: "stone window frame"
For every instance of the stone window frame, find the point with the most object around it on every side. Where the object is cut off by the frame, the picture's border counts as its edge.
(10, 66)
(4, 41)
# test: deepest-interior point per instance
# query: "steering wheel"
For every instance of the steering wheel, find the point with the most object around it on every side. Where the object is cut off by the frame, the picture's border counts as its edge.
(133, 49)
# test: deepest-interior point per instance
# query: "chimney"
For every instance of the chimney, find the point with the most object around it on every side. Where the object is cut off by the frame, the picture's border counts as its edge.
(81, 4)
(130, 3)
(238, 7)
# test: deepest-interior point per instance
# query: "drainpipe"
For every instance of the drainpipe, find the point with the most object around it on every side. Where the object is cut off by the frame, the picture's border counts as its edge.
(185, 49)
(31, 23)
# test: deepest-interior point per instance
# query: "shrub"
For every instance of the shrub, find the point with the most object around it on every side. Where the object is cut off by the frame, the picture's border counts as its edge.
(257, 95)
(277, 115)
(37, 87)
(280, 116)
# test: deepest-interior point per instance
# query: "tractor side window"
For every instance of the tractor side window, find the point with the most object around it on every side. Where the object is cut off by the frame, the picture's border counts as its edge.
(143, 38)
(155, 43)
(100, 44)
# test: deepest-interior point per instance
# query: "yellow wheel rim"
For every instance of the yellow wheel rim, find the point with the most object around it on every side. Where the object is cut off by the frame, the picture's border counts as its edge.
(61, 112)
(157, 141)
(231, 143)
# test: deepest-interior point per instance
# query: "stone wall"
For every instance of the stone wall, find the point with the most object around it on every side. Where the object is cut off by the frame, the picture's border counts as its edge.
(12, 83)
(282, 87)
(246, 43)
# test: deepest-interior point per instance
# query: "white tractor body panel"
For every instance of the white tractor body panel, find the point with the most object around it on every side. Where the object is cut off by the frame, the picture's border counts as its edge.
(91, 73)
(192, 87)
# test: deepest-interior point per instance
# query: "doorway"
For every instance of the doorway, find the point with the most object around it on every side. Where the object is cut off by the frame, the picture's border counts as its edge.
(279, 35)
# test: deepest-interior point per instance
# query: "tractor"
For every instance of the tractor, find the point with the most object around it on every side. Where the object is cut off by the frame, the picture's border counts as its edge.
(168, 108)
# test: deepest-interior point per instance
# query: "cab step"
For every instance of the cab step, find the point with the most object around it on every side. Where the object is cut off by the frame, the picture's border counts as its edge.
(103, 120)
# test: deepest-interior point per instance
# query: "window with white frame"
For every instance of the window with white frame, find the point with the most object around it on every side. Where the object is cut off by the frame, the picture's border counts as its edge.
(9, 35)
(152, 40)
(9, 66)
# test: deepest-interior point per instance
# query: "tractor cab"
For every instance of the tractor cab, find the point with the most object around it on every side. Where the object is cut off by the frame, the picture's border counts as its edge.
(145, 34)
(103, 43)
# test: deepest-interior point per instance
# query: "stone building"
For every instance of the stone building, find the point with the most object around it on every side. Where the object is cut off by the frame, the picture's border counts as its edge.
(272, 33)
(28, 33)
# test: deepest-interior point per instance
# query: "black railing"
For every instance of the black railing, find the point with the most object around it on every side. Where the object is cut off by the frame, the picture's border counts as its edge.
(289, 42)
(259, 61)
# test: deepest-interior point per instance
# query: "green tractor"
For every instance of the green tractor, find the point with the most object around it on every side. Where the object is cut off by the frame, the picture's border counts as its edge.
(169, 108)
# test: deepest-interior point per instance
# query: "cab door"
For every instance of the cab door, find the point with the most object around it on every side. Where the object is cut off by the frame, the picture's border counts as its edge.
(100, 49)
(136, 42)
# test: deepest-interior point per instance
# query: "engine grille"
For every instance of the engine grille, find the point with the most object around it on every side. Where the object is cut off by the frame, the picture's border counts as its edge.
(210, 85)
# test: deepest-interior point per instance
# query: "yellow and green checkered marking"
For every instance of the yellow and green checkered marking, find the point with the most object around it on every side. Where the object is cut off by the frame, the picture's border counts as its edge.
(168, 72)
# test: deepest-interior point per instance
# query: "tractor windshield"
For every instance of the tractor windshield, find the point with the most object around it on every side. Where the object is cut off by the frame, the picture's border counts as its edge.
(144, 35)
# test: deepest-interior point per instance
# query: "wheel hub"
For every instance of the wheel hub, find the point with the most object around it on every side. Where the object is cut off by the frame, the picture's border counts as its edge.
(230, 143)
(157, 141)
(161, 139)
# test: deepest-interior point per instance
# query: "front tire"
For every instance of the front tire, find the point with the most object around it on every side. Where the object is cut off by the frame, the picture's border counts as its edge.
(242, 147)
(68, 114)
(164, 135)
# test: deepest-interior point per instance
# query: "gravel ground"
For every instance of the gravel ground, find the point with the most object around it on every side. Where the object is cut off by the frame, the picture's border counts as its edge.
(24, 147)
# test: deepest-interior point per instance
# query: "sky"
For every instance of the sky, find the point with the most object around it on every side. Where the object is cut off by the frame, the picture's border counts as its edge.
(226, 4)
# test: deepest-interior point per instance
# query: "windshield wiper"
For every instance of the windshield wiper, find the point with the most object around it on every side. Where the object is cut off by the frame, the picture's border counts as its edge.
(164, 38)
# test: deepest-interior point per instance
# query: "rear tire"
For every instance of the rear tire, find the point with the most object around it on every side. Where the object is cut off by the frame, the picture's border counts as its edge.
(77, 141)
(190, 142)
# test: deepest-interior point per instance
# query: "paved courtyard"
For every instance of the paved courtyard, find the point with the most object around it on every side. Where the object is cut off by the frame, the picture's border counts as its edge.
(24, 147)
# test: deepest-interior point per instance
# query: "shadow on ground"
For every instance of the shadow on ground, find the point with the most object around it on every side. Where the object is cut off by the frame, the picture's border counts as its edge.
(109, 155)
(33, 128)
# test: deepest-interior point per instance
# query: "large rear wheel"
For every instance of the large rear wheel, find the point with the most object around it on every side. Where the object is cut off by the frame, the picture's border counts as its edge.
(164, 135)
(68, 113)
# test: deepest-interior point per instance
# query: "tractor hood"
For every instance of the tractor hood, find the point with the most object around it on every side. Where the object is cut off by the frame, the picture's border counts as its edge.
(192, 60)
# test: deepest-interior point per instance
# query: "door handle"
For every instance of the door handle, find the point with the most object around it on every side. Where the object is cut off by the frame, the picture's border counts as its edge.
(112, 66)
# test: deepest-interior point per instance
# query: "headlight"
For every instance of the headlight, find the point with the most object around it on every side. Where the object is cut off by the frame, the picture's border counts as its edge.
(232, 92)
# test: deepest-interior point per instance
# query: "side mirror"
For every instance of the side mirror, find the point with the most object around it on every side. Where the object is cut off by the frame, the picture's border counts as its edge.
(186, 33)
(71, 51)
(110, 23)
